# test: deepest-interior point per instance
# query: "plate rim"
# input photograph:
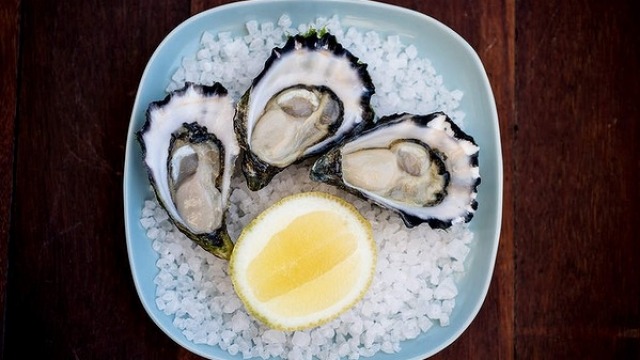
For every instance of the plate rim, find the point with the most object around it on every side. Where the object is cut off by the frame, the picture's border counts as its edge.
(130, 155)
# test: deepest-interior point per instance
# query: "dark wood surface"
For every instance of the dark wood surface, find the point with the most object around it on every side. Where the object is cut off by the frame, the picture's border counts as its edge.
(566, 82)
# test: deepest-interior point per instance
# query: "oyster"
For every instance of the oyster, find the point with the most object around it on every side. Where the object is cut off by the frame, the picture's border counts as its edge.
(310, 95)
(422, 166)
(189, 150)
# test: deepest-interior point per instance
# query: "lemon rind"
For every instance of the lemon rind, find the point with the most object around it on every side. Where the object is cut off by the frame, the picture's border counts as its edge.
(295, 323)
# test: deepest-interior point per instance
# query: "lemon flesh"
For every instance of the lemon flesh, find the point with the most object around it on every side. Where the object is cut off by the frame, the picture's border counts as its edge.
(303, 261)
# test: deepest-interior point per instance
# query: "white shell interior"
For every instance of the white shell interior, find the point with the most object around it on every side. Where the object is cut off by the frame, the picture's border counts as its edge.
(318, 67)
(213, 111)
(438, 135)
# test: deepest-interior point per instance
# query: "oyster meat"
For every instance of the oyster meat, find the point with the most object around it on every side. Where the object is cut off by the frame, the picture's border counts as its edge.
(189, 150)
(422, 166)
(310, 95)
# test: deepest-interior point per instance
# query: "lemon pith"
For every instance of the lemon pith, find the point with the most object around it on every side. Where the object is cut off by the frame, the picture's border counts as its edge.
(303, 261)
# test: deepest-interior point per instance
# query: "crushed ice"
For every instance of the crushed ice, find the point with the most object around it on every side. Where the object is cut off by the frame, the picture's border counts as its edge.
(414, 287)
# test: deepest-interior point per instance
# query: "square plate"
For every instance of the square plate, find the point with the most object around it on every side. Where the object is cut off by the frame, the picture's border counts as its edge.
(451, 56)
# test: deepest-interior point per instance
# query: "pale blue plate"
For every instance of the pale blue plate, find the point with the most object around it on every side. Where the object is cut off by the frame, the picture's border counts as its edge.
(451, 56)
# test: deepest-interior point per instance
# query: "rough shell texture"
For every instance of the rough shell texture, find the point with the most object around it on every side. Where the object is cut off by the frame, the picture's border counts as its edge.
(316, 60)
(458, 151)
(205, 113)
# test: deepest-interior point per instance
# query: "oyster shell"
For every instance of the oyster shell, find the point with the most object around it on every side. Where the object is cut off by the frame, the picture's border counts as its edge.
(189, 150)
(310, 95)
(422, 166)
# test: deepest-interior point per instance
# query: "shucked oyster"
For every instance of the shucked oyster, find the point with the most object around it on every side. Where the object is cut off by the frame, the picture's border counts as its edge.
(423, 167)
(310, 95)
(189, 150)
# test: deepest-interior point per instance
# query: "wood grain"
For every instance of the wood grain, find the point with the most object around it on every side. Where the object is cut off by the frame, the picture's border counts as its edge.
(9, 34)
(565, 82)
(576, 180)
(70, 288)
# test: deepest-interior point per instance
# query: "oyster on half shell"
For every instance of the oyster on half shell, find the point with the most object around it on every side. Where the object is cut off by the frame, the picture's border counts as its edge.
(310, 95)
(189, 150)
(422, 166)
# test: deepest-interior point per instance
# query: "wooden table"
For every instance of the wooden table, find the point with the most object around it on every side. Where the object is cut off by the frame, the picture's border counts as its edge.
(566, 80)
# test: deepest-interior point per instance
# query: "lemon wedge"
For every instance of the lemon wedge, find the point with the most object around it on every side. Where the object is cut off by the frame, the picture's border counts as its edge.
(303, 261)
